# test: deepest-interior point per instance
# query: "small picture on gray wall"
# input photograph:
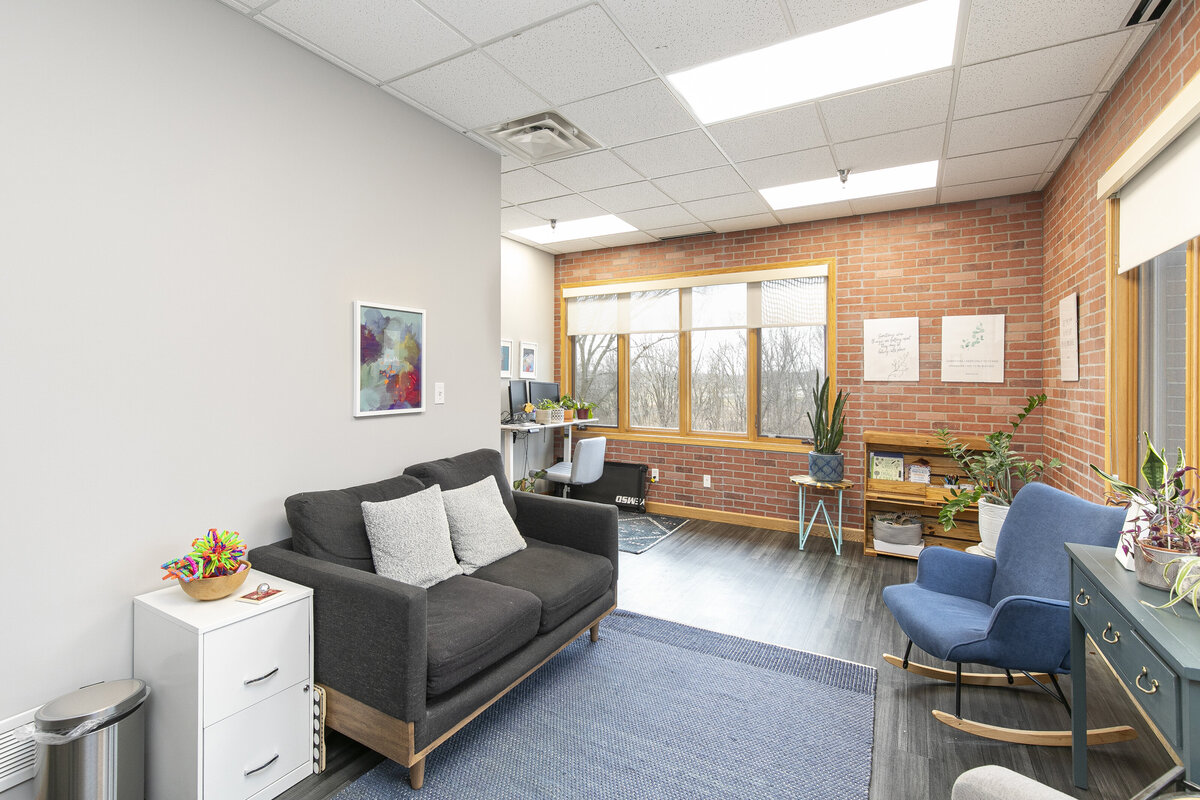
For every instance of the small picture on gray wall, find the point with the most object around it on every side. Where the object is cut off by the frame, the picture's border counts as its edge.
(506, 358)
(528, 360)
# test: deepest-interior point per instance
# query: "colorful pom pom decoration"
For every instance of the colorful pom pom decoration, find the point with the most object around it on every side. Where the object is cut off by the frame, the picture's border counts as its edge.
(213, 555)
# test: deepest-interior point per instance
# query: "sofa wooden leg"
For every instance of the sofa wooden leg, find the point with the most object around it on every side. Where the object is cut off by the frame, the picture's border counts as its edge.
(596, 632)
(416, 774)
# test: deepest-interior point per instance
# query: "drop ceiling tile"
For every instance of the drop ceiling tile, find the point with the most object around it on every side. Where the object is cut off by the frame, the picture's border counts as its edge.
(578, 245)
(669, 155)
(623, 239)
(702, 183)
(470, 90)
(886, 109)
(744, 223)
(239, 6)
(570, 206)
(512, 218)
(892, 202)
(629, 197)
(1093, 105)
(572, 57)
(644, 111)
(734, 205)
(984, 189)
(998, 164)
(661, 217)
(807, 165)
(485, 21)
(822, 211)
(1064, 148)
(1070, 70)
(811, 17)
(590, 171)
(1021, 126)
(1001, 28)
(677, 34)
(527, 185)
(1137, 38)
(509, 163)
(892, 149)
(383, 38)
(679, 230)
(791, 129)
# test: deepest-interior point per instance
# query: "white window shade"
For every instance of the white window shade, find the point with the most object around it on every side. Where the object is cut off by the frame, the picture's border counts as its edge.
(597, 313)
(655, 310)
(1160, 206)
(794, 301)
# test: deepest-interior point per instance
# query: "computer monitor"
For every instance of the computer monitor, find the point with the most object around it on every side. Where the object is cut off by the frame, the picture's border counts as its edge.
(518, 396)
(541, 390)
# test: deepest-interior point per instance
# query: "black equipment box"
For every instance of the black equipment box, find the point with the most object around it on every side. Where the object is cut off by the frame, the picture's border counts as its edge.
(621, 485)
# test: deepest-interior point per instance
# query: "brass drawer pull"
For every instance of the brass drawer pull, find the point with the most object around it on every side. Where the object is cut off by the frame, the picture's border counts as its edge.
(1108, 629)
(1082, 598)
(271, 761)
(1138, 682)
(250, 681)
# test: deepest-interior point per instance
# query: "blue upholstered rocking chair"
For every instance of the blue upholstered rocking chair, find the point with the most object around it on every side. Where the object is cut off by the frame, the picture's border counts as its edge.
(1012, 613)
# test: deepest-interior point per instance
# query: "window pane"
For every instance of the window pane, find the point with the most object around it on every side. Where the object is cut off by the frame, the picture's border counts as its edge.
(654, 311)
(654, 380)
(595, 378)
(719, 381)
(794, 301)
(1162, 351)
(791, 360)
(720, 306)
(592, 314)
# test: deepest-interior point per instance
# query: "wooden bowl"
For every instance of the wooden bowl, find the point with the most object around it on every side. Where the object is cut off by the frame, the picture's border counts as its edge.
(217, 587)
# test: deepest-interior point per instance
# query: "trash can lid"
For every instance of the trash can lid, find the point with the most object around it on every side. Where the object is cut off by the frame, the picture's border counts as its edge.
(98, 702)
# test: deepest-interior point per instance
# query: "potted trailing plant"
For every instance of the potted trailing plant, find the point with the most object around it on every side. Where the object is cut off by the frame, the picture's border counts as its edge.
(995, 475)
(569, 407)
(825, 463)
(1166, 525)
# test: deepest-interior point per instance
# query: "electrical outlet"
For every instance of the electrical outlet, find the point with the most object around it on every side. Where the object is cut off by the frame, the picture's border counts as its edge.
(654, 475)
(708, 481)
(439, 393)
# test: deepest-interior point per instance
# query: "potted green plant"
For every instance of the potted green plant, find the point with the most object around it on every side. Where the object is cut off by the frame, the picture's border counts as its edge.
(995, 475)
(583, 409)
(825, 463)
(1166, 524)
(527, 483)
(548, 412)
(569, 407)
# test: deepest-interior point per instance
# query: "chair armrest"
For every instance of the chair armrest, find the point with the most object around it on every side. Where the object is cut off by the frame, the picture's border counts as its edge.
(370, 635)
(586, 526)
(949, 571)
(997, 783)
(1027, 633)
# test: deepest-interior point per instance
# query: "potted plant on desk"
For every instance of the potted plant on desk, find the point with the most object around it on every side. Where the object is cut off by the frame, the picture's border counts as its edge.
(548, 412)
(569, 407)
(992, 472)
(825, 463)
(583, 409)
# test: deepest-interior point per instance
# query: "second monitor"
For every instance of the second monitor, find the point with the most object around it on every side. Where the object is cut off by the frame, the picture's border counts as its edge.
(543, 390)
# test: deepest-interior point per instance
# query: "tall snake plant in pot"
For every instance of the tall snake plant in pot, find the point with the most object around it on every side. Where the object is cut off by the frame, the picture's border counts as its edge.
(825, 463)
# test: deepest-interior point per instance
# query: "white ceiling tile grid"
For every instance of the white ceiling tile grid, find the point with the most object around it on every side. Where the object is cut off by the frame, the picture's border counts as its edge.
(797, 128)
(891, 149)
(628, 197)
(620, 117)
(999, 164)
(807, 165)
(590, 171)
(670, 155)
(526, 185)
(471, 91)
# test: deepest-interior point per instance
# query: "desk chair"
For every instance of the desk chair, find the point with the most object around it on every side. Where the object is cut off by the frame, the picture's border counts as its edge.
(586, 467)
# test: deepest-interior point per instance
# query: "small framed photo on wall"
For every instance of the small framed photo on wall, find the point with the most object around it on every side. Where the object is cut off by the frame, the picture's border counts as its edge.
(528, 360)
(506, 358)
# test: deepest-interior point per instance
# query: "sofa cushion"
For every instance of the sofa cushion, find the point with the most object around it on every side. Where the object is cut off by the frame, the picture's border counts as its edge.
(329, 525)
(472, 624)
(562, 578)
(463, 470)
(480, 528)
(410, 538)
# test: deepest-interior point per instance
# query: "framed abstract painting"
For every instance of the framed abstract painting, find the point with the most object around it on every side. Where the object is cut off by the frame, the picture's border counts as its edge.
(528, 360)
(389, 353)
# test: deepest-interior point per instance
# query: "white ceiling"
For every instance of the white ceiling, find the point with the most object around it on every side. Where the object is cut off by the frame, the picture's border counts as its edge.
(1026, 78)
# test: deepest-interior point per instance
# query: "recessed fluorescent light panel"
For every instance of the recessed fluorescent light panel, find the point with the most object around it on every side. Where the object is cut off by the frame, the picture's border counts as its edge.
(893, 180)
(574, 229)
(910, 40)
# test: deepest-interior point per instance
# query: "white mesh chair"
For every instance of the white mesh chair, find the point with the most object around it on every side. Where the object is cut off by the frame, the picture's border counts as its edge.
(586, 466)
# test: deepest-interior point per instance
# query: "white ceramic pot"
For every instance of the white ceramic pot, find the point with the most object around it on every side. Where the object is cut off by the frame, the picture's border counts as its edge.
(1151, 565)
(991, 520)
(556, 415)
(542, 416)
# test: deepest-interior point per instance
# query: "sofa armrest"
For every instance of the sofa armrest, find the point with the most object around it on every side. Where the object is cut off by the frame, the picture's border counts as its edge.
(370, 635)
(586, 526)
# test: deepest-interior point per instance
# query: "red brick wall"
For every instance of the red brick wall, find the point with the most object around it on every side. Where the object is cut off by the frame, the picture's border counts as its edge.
(977, 257)
(1075, 238)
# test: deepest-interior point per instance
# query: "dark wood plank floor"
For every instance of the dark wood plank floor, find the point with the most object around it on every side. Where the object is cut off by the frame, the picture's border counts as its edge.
(754, 583)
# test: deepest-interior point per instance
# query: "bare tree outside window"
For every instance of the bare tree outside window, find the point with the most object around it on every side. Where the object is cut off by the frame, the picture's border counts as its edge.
(654, 380)
(791, 361)
(595, 378)
(719, 380)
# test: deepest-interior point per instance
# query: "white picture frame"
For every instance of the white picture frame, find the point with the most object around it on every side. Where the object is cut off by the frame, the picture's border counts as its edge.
(1068, 338)
(389, 359)
(973, 348)
(528, 362)
(892, 349)
(506, 355)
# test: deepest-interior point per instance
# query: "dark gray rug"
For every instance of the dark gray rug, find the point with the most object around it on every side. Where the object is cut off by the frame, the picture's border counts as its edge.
(637, 532)
(659, 710)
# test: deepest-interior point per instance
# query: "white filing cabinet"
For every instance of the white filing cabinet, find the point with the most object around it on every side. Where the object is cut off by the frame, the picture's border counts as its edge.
(230, 713)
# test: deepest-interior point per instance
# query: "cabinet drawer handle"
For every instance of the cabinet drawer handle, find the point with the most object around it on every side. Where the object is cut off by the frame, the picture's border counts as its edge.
(1153, 683)
(270, 761)
(249, 681)
(1107, 630)
(1082, 598)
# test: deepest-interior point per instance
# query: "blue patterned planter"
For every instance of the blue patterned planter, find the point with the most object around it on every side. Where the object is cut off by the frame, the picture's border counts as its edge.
(826, 467)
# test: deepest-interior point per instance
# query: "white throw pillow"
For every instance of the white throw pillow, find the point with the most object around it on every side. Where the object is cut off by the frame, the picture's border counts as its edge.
(410, 538)
(480, 526)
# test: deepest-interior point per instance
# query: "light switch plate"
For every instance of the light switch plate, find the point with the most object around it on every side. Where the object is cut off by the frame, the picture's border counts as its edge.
(439, 393)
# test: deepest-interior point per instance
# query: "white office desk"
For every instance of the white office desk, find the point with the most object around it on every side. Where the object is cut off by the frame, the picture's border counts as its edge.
(509, 431)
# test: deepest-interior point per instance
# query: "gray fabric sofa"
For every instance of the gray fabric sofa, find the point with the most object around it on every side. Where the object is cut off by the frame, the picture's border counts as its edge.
(404, 668)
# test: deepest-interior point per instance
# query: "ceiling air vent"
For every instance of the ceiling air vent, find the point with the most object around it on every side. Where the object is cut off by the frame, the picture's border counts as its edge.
(1148, 11)
(542, 137)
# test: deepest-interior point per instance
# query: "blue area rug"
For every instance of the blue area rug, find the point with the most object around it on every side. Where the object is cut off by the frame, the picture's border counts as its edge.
(659, 710)
(637, 532)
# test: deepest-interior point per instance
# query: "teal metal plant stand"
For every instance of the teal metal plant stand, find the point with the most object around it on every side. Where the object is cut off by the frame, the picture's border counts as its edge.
(835, 533)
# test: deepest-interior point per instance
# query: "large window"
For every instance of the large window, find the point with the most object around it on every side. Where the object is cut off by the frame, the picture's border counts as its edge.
(716, 355)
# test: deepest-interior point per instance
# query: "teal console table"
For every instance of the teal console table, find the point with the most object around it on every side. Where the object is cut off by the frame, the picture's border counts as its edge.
(1156, 654)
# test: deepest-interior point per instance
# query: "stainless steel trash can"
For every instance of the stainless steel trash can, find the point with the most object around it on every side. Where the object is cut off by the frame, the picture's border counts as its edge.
(91, 743)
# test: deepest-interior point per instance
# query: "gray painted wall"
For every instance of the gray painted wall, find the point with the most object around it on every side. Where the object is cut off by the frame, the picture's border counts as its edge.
(189, 204)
